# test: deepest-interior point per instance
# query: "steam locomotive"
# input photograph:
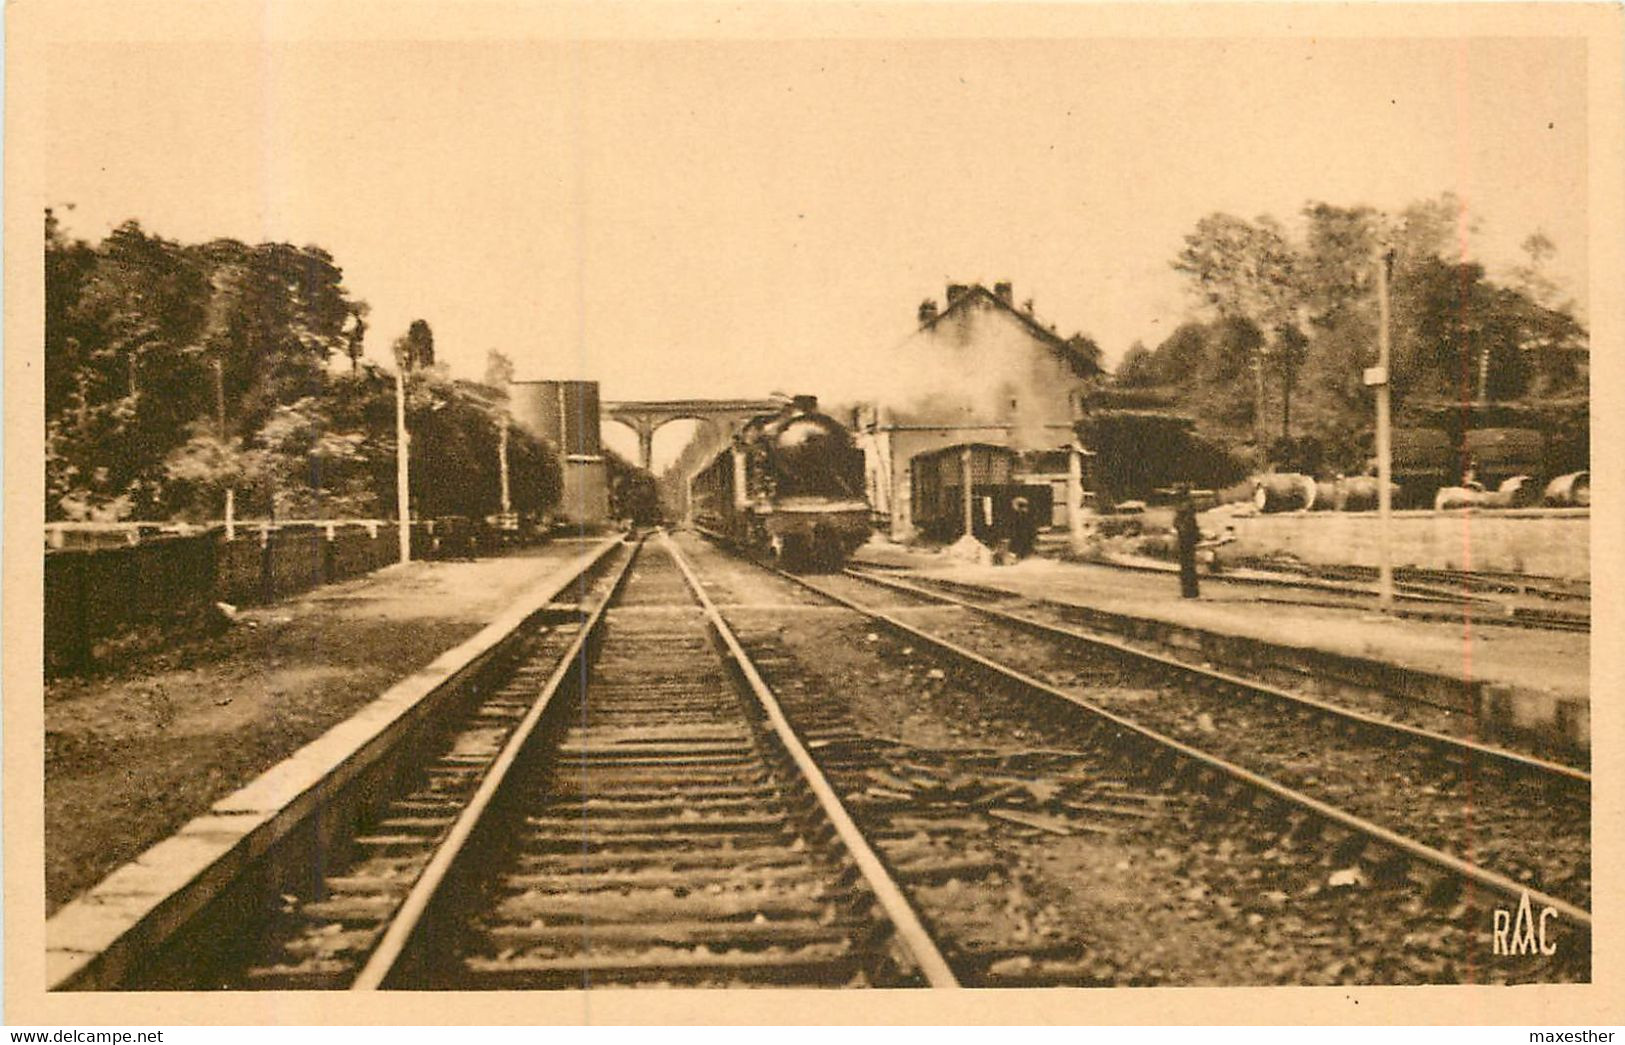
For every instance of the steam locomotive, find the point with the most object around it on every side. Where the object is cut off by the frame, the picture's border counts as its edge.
(791, 486)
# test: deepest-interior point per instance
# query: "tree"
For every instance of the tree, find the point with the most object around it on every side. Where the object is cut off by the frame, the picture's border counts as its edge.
(124, 375)
(1084, 356)
(151, 346)
(1137, 368)
(174, 373)
(280, 314)
(634, 493)
(1550, 337)
(1304, 311)
(355, 337)
(1248, 272)
(414, 350)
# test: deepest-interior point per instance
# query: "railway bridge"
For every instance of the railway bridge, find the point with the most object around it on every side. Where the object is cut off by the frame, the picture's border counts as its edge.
(645, 417)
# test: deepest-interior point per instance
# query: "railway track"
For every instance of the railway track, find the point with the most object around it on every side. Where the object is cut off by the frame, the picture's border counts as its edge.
(1447, 596)
(1528, 816)
(1454, 581)
(1497, 808)
(1450, 731)
(1498, 825)
(665, 784)
(618, 811)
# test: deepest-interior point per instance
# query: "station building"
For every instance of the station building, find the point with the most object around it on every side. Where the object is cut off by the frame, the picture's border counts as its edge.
(990, 373)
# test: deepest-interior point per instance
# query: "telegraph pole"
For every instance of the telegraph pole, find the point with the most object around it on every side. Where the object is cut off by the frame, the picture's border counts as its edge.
(502, 462)
(220, 422)
(403, 485)
(1378, 377)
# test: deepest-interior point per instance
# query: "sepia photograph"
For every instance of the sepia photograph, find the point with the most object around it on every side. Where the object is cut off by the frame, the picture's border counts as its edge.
(817, 502)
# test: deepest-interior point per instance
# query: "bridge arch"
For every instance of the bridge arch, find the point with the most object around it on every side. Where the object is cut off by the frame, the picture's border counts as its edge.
(645, 417)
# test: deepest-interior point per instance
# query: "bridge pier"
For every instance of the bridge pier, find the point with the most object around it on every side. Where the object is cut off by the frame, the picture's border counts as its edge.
(646, 444)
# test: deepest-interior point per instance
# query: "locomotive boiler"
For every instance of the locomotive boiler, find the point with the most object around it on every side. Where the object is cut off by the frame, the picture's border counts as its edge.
(791, 485)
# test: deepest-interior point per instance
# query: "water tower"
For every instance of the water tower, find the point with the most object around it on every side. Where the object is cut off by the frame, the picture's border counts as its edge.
(565, 413)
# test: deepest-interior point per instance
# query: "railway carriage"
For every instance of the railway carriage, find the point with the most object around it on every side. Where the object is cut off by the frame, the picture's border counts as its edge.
(791, 485)
(937, 491)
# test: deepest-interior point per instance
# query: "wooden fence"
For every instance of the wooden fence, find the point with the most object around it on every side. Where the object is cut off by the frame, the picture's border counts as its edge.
(99, 601)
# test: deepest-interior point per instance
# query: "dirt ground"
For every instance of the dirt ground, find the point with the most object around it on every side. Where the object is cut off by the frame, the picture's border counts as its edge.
(132, 755)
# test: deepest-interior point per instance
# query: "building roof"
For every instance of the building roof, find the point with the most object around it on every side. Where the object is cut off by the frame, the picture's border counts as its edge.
(975, 294)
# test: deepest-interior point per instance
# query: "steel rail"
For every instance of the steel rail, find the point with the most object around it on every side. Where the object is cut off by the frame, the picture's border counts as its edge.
(910, 929)
(1429, 600)
(384, 958)
(1490, 880)
(1419, 592)
(1511, 759)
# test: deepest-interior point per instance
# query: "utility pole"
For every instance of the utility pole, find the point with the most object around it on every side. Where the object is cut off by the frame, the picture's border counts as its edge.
(220, 432)
(1377, 377)
(502, 461)
(403, 485)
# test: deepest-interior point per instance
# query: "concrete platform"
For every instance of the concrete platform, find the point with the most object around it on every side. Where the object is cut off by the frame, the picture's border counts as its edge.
(1525, 682)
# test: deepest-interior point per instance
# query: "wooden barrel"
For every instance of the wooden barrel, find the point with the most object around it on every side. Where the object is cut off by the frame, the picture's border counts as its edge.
(1570, 491)
(1283, 492)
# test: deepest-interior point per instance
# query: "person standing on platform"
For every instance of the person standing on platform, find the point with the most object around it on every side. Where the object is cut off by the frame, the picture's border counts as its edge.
(1189, 533)
(1023, 529)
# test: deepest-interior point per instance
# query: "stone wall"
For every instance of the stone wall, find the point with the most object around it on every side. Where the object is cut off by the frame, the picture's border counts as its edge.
(1545, 542)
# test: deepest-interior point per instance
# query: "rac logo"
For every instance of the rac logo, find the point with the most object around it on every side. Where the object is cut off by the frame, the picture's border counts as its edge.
(1523, 932)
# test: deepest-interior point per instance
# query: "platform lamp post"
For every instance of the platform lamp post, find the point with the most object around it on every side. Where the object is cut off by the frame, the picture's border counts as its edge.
(1377, 378)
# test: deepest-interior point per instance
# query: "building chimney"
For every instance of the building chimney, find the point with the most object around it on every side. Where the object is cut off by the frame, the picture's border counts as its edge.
(1004, 292)
(928, 311)
(955, 292)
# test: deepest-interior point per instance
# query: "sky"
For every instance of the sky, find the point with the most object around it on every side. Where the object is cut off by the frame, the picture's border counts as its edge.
(734, 217)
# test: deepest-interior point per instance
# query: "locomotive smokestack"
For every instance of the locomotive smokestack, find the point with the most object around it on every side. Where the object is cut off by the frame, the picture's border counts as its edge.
(805, 404)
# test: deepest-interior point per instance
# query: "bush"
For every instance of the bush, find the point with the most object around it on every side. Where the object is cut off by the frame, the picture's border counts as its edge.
(1158, 546)
(1119, 526)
